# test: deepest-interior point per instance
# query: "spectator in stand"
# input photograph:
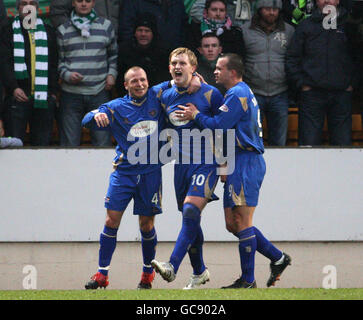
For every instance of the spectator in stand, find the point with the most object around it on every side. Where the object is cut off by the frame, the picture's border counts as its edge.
(265, 40)
(60, 11)
(320, 63)
(30, 76)
(209, 51)
(170, 16)
(3, 16)
(356, 29)
(2, 128)
(295, 11)
(3, 20)
(240, 11)
(215, 19)
(88, 67)
(143, 51)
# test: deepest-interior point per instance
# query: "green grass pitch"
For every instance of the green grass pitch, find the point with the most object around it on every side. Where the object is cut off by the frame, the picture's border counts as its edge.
(174, 294)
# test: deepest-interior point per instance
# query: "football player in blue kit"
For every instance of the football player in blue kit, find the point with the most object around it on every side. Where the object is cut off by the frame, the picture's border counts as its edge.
(135, 118)
(240, 112)
(195, 177)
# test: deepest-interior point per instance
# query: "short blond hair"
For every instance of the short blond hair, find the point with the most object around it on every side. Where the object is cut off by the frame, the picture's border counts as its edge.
(191, 56)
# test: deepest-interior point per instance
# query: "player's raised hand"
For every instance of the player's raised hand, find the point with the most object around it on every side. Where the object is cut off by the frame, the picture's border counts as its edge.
(101, 119)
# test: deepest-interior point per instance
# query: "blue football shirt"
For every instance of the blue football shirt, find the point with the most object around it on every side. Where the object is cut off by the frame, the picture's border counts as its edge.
(189, 147)
(135, 124)
(239, 111)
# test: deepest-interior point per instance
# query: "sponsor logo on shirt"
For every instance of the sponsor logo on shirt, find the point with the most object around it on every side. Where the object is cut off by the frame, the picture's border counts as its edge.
(143, 128)
(176, 121)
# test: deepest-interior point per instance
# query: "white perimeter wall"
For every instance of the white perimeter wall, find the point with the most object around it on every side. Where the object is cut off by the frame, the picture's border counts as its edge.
(58, 194)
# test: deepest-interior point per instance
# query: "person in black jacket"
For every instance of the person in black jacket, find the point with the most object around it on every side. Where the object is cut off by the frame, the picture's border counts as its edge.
(216, 20)
(171, 20)
(30, 100)
(2, 128)
(3, 17)
(321, 64)
(143, 50)
(209, 51)
(3, 20)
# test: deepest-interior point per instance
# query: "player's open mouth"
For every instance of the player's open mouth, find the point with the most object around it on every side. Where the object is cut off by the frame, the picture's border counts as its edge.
(178, 73)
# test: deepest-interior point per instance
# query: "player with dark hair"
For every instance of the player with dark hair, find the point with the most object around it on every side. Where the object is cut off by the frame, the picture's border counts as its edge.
(242, 186)
(137, 115)
(194, 179)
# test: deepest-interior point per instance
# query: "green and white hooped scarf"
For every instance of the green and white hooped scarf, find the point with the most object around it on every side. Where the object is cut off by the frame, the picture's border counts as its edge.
(83, 23)
(41, 61)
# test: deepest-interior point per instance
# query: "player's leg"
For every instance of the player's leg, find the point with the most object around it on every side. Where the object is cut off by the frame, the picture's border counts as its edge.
(200, 272)
(241, 219)
(201, 181)
(149, 241)
(241, 191)
(108, 238)
(147, 204)
(189, 231)
(119, 194)
(239, 222)
(240, 199)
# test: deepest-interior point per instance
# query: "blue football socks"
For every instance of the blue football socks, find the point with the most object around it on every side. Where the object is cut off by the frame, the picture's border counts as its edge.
(148, 243)
(107, 247)
(247, 250)
(187, 234)
(196, 253)
(266, 248)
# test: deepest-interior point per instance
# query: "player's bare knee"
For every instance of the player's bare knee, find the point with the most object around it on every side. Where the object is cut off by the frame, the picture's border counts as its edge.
(113, 219)
(146, 223)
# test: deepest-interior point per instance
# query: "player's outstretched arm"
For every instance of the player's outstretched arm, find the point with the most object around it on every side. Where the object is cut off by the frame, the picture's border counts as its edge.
(224, 120)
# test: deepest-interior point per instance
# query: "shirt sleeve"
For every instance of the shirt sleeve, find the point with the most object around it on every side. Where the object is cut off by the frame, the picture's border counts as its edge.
(230, 113)
(89, 121)
(217, 101)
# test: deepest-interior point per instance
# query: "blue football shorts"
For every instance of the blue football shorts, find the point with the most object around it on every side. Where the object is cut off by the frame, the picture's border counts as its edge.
(242, 187)
(145, 189)
(197, 180)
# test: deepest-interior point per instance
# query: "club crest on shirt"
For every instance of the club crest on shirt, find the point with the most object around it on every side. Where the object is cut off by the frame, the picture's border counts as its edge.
(152, 113)
(143, 128)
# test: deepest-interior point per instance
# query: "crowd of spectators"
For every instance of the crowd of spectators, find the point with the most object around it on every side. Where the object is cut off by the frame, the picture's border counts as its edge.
(294, 52)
